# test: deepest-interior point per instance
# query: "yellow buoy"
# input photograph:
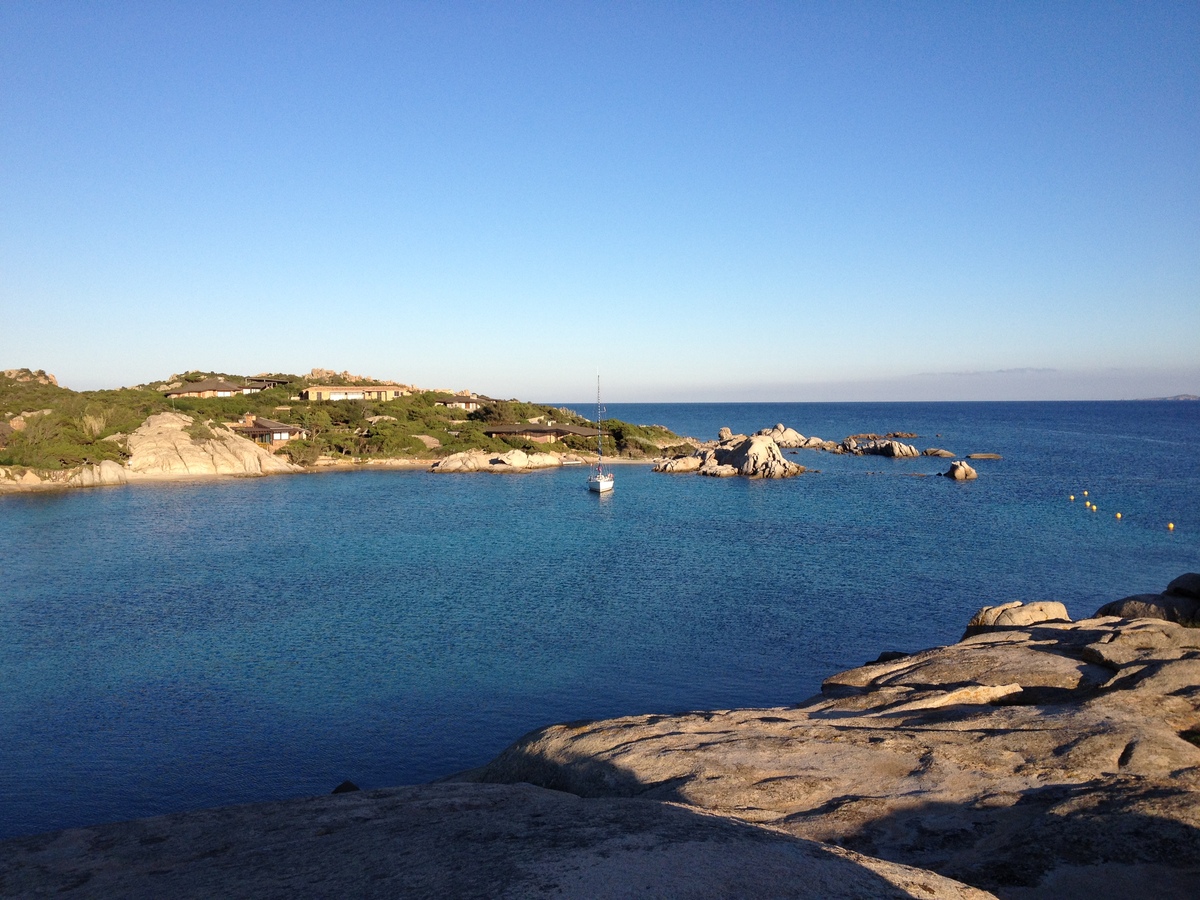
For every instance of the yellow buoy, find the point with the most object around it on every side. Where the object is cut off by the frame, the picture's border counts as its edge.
(1170, 526)
(1072, 498)
(1118, 515)
(1085, 493)
(1095, 507)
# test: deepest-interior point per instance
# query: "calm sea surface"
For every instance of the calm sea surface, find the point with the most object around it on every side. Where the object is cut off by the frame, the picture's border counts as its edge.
(184, 645)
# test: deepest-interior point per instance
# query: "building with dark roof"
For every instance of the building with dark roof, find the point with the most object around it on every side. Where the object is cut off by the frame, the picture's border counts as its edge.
(267, 431)
(209, 387)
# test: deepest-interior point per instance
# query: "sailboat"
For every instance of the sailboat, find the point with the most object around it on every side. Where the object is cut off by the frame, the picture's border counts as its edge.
(600, 481)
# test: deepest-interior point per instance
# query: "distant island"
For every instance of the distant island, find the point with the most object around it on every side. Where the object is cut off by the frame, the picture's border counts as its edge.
(1176, 397)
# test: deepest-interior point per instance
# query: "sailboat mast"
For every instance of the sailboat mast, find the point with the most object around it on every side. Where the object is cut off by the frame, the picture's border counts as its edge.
(599, 430)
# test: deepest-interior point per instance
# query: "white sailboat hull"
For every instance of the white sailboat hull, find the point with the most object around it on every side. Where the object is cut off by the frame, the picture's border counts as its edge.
(600, 483)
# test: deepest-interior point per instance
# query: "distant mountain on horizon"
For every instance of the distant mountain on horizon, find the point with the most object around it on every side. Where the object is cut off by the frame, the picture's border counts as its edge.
(1177, 397)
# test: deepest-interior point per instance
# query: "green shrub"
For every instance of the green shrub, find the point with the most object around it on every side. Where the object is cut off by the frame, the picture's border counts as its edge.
(199, 431)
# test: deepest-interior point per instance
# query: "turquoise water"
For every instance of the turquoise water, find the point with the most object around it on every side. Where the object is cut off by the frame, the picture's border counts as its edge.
(183, 645)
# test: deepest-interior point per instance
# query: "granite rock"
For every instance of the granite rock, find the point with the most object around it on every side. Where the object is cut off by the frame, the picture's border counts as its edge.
(679, 465)
(1180, 602)
(879, 447)
(486, 461)
(1043, 760)
(1016, 614)
(783, 436)
(161, 446)
(451, 840)
(106, 473)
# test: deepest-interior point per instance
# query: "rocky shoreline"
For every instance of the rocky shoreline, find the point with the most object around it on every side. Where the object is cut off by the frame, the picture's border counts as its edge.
(173, 446)
(1037, 757)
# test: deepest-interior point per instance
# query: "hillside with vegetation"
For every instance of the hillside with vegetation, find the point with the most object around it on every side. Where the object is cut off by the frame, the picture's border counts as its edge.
(45, 426)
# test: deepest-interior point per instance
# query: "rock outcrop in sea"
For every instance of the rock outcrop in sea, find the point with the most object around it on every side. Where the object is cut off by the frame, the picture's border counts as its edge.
(879, 447)
(757, 456)
(960, 471)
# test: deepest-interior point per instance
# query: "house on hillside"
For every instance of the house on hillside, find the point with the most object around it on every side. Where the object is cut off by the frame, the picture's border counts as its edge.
(209, 387)
(254, 385)
(355, 392)
(470, 404)
(267, 431)
(541, 434)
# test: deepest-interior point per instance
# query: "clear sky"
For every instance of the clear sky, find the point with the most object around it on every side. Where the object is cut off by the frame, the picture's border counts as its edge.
(701, 201)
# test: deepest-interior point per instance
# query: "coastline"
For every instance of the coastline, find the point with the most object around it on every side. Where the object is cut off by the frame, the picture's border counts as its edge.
(50, 480)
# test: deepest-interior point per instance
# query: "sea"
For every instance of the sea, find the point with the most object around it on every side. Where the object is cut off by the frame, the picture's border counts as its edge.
(193, 644)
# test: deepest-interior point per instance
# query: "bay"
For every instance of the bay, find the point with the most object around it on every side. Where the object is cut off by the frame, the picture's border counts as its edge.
(167, 647)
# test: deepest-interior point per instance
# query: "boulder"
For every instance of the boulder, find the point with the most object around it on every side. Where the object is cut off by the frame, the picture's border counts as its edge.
(784, 437)
(718, 471)
(1186, 585)
(1180, 603)
(485, 461)
(724, 434)
(513, 459)
(679, 465)
(960, 471)
(879, 447)
(1015, 615)
(467, 461)
(938, 452)
(106, 473)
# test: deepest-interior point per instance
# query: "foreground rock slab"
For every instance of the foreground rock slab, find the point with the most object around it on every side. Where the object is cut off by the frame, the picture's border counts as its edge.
(1044, 760)
(453, 841)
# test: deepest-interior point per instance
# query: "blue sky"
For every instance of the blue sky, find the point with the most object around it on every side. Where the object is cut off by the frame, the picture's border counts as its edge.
(701, 201)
